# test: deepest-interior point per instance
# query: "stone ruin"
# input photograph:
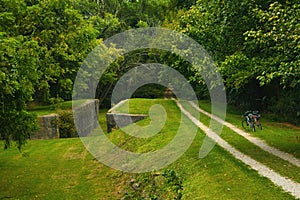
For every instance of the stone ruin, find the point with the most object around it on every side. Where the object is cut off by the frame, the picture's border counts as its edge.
(123, 119)
(49, 127)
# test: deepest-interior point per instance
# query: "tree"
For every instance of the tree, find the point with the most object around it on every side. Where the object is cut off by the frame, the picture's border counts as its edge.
(273, 46)
(42, 46)
(66, 38)
(255, 45)
(18, 78)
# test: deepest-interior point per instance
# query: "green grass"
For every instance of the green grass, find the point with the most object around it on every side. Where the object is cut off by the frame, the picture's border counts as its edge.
(165, 135)
(137, 106)
(54, 169)
(49, 109)
(102, 119)
(218, 176)
(283, 167)
(63, 169)
(283, 136)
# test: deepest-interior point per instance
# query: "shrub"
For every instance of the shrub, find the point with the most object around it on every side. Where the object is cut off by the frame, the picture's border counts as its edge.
(150, 91)
(287, 106)
(66, 125)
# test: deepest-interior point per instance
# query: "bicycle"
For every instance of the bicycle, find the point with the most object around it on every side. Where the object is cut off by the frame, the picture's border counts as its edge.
(251, 119)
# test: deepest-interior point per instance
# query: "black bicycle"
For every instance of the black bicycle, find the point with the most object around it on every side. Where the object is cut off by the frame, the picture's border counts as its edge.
(251, 120)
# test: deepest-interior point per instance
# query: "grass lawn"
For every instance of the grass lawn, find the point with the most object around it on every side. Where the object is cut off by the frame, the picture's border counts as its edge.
(48, 109)
(137, 106)
(283, 167)
(63, 169)
(54, 169)
(283, 136)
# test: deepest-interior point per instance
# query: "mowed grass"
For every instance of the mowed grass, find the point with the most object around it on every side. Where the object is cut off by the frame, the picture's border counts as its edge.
(217, 176)
(64, 169)
(54, 169)
(281, 135)
(137, 106)
(49, 109)
(281, 166)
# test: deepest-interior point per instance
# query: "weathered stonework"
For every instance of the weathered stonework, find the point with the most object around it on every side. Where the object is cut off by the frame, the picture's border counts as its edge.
(123, 119)
(48, 127)
(86, 117)
(86, 121)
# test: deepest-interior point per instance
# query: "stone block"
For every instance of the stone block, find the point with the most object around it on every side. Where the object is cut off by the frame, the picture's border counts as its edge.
(48, 127)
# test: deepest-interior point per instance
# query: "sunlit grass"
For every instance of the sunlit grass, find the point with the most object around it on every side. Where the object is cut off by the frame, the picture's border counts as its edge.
(64, 169)
(138, 106)
(54, 169)
(283, 136)
(48, 109)
(283, 167)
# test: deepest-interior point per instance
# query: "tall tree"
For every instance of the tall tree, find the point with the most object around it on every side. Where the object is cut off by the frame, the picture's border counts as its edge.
(18, 79)
(42, 46)
(254, 43)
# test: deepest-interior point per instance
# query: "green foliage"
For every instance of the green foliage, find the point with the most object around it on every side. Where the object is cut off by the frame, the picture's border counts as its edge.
(62, 37)
(255, 45)
(43, 43)
(16, 126)
(18, 78)
(252, 38)
(108, 25)
(286, 107)
(273, 45)
(56, 102)
(217, 25)
(66, 125)
(236, 70)
(108, 74)
(150, 91)
(151, 12)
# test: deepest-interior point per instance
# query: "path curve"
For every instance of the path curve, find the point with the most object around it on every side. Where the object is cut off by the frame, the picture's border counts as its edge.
(257, 141)
(283, 182)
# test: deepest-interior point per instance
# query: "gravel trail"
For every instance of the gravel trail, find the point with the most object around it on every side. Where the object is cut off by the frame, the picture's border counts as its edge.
(257, 141)
(286, 184)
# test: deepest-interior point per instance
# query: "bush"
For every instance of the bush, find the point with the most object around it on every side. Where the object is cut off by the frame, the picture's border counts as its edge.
(66, 125)
(281, 104)
(287, 106)
(150, 91)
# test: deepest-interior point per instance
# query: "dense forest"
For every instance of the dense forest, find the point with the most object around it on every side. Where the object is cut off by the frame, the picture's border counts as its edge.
(255, 45)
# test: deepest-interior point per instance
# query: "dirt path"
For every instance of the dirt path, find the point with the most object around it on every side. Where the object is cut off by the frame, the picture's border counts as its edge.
(285, 183)
(258, 142)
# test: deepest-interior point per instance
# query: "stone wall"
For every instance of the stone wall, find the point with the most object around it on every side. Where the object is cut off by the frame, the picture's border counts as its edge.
(86, 116)
(123, 119)
(48, 127)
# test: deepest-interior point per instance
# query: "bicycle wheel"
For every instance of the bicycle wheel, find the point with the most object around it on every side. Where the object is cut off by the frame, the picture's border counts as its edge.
(245, 124)
(252, 126)
(258, 124)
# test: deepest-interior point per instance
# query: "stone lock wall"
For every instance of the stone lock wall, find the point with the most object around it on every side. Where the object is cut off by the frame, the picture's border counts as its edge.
(123, 119)
(48, 127)
(87, 121)
(86, 117)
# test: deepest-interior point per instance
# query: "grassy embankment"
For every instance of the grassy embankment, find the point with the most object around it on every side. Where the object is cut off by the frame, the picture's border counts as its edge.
(63, 169)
